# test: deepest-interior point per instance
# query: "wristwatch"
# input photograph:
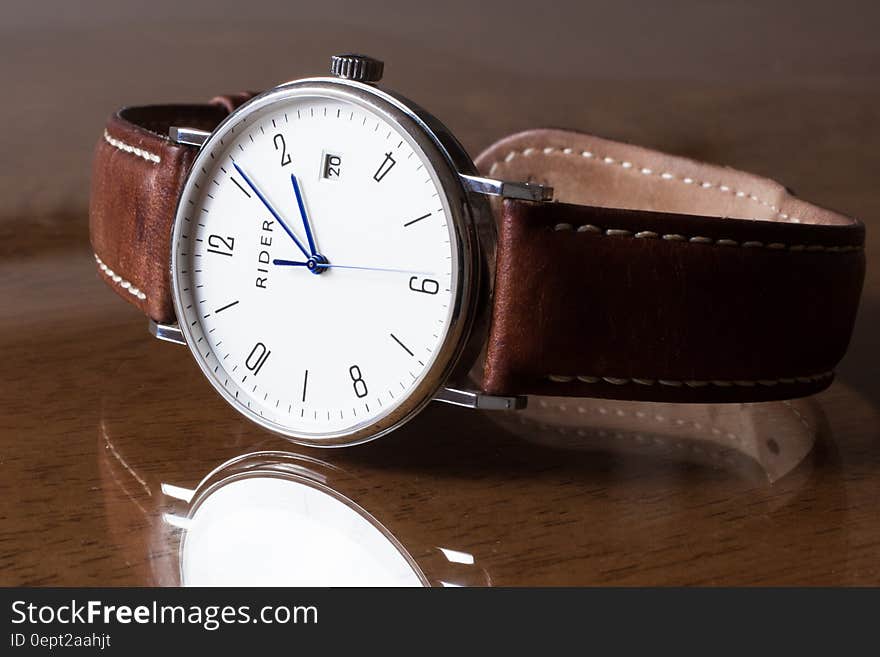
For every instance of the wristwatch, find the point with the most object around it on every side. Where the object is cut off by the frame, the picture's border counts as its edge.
(335, 260)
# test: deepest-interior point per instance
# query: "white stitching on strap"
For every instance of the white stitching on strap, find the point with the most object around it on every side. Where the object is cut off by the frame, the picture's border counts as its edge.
(620, 381)
(128, 148)
(697, 239)
(665, 175)
(121, 282)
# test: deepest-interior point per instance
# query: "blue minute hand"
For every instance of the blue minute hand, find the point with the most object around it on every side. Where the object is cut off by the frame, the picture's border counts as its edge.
(302, 213)
(271, 209)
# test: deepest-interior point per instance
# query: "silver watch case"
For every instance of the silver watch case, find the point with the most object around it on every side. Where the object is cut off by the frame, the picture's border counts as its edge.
(474, 228)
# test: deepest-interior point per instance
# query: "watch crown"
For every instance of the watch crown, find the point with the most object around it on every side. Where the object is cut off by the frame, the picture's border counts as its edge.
(356, 67)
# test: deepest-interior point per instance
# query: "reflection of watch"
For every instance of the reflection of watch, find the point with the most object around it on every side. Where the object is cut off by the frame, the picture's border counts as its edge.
(334, 263)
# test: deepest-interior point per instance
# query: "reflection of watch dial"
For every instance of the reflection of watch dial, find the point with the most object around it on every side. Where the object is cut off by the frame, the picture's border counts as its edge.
(315, 265)
(288, 531)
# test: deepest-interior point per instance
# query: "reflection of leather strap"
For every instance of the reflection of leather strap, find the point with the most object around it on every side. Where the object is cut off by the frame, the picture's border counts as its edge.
(711, 285)
(137, 178)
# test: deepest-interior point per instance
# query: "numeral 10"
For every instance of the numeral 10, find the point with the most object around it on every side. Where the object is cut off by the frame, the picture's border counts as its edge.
(257, 358)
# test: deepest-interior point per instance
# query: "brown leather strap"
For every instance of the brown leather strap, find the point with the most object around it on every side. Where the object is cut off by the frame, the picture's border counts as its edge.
(654, 277)
(137, 177)
(659, 278)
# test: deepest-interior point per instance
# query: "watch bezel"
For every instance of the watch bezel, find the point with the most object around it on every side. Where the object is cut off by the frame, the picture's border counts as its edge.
(473, 241)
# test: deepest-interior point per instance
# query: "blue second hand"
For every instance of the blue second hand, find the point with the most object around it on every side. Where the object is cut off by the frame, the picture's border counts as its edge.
(295, 263)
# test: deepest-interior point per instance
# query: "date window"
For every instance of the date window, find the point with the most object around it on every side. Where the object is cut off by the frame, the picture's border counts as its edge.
(331, 166)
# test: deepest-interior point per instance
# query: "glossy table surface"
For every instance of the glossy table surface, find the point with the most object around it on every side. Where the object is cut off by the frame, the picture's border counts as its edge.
(110, 440)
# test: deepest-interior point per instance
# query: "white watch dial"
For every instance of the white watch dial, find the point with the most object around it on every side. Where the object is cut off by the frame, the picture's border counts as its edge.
(315, 265)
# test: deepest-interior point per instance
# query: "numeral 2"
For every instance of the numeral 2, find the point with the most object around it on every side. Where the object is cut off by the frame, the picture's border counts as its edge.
(285, 158)
(257, 358)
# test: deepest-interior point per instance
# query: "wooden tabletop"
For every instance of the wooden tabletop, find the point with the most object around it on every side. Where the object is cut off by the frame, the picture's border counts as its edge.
(104, 430)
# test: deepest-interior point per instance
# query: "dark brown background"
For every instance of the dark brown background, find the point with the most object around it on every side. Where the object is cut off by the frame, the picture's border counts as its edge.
(791, 91)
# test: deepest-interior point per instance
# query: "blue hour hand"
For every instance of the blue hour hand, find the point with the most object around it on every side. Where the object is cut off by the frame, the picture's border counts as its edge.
(302, 213)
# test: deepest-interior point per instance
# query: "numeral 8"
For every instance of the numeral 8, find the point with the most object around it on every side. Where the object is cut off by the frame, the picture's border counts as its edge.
(360, 386)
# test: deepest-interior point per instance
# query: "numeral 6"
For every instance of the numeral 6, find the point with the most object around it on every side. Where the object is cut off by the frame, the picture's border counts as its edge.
(427, 286)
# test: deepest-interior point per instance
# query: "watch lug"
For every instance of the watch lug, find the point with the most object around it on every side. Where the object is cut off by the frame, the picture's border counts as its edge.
(166, 332)
(480, 400)
(520, 190)
(190, 136)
